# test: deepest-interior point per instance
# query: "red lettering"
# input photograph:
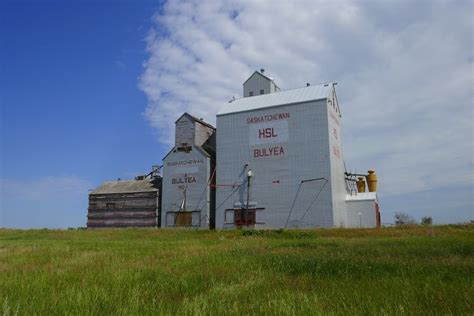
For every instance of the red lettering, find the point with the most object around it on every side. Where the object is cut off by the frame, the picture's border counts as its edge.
(267, 133)
(267, 118)
(267, 152)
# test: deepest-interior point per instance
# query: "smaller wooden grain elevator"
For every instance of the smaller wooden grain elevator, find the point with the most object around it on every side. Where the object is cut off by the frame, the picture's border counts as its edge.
(188, 190)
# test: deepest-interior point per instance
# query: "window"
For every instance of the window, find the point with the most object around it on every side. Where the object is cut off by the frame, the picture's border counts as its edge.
(262, 91)
(251, 94)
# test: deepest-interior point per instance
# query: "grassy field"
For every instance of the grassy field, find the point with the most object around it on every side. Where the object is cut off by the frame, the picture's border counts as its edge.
(412, 270)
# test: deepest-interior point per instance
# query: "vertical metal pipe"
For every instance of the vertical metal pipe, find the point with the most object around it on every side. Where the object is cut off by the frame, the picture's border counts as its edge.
(248, 199)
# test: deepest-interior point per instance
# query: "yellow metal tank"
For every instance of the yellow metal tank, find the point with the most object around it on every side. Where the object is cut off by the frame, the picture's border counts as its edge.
(372, 181)
(360, 185)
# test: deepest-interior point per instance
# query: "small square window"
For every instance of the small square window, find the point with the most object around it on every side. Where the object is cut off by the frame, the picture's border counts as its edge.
(251, 94)
(262, 92)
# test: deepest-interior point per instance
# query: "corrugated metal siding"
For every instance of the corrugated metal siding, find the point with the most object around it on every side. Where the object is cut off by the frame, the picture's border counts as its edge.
(276, 178)
(273, 87)
(176, 167)
(367, 219)
(338, 184)
(256, 83)
(306, 94)
(365, 204)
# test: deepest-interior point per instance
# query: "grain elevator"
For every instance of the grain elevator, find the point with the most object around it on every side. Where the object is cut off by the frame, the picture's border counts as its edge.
(280, 161)
(275, 160)
(188, 197)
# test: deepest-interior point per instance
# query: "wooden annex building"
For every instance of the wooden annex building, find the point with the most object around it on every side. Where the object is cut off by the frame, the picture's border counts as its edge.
(126, 203)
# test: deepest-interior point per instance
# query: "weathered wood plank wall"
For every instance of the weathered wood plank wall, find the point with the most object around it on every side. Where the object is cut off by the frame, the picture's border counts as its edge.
(139, 209)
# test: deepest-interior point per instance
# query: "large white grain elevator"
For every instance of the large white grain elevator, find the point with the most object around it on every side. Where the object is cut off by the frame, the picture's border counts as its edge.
(280, 161)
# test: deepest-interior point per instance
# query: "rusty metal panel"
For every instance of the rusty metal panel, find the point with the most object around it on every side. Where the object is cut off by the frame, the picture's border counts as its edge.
(183, 219)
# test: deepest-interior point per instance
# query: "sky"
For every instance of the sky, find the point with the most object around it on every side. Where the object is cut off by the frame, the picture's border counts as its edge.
(90, 91)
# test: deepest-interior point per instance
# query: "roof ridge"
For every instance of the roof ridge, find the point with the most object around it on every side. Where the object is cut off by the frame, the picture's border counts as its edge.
(286, 97)
(194, 118)
(281, 91)
(258, 72)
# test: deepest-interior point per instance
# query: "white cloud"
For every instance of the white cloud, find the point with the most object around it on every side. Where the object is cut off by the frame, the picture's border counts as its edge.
(405, 73)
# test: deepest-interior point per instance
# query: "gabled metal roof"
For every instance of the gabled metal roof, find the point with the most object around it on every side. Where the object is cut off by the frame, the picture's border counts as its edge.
(259, 73)
(264, 76)
(125, 186)
(306, 94)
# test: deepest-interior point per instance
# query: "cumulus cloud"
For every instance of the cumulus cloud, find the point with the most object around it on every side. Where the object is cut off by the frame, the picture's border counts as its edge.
(404, 68)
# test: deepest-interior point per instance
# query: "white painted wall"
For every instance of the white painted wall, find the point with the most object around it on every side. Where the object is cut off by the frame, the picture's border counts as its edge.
(177, 167)
(338, 184)
(365, 204)
(276, 184)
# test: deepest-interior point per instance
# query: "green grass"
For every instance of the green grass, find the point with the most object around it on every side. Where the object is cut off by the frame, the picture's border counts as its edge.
(412, 270)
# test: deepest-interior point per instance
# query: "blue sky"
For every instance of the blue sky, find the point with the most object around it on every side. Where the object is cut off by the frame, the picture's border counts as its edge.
(72, 114)
(89, 91)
